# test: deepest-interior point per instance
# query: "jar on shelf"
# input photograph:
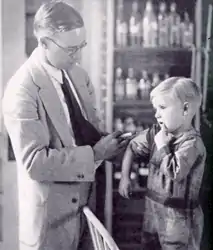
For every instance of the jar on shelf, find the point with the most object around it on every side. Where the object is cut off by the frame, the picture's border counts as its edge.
(163, 26)
(119, 85)
(135, 26)
(139, 127)
(121, 26)
(144, 86)
(155, 79)
(149, 26)
(131, 85)
(129, 125)
(187, 31)
(174, 26)
(118, 124)
(166, 76)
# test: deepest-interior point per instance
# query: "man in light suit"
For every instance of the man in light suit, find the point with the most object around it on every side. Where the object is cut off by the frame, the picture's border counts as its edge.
(49, 112)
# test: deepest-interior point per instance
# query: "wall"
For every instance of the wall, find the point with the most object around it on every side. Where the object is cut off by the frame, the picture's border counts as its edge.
(12, 55)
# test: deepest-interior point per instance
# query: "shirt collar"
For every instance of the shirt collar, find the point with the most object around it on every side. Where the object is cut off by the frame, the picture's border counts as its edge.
(185, 135)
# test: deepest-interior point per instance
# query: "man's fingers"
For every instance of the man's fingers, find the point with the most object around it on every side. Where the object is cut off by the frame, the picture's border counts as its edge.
(116, 134)
(123, 143)
(120, 139)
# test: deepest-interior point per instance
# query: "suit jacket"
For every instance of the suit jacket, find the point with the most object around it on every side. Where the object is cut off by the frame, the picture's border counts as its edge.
(46, 157)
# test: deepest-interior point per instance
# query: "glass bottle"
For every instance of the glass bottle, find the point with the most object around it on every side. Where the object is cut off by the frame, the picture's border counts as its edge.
(129, 125)
(121, 26)
(166, 76)
(139, 127)
(155, 79)
(174, 26)
(144, 86)
(163, 26)
(118, 124)
(149, 26)
(187, 31)
(131, 85)
(135, 27)
(119, 85)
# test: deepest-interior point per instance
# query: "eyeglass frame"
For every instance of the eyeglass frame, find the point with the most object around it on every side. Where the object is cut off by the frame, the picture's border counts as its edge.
(74, 48)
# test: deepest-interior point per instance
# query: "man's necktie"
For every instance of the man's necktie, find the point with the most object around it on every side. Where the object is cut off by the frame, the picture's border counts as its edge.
(84, 132)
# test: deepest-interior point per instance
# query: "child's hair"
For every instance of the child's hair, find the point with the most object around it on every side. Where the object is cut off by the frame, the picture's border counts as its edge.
(179, 87)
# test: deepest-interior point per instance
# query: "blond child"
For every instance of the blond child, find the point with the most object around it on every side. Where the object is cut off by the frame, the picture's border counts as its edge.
(173, 218)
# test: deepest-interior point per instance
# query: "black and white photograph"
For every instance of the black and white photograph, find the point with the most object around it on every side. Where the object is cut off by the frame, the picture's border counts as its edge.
(106, 124)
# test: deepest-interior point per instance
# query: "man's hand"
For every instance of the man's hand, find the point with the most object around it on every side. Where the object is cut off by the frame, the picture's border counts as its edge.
(162, 138)
(109, 146)
(118, 158)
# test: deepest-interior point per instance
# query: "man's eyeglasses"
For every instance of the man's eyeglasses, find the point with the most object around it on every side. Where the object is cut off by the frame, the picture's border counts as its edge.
(71, 50)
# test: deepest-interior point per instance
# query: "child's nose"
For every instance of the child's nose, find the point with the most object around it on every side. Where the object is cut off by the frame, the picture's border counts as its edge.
(157, 115)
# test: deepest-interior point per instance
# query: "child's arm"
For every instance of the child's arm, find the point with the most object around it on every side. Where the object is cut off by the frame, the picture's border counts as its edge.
(139, 146)
(125, 182)
(127, 162)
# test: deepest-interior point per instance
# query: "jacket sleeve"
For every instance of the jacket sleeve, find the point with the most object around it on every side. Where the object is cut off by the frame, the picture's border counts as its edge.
(30, 141)
(92, 94)
(178, 164)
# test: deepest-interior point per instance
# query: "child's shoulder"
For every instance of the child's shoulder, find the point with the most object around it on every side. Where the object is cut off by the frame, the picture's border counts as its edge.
(193, 139)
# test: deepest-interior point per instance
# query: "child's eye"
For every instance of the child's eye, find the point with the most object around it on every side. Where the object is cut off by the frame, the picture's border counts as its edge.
(162, 107)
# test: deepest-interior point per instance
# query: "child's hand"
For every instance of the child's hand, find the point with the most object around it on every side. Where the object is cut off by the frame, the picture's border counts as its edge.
(125, 187)
(162, 138)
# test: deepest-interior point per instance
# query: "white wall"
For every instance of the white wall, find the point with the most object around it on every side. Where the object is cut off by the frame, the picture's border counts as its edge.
(12, 55)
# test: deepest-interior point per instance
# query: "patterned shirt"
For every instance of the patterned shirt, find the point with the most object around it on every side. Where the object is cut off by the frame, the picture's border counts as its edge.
(175, 170)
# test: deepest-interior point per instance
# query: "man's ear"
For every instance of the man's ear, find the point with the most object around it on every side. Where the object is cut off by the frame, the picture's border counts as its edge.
(185, 108)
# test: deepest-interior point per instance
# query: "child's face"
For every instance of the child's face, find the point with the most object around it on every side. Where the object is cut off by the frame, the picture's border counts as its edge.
(169, 113)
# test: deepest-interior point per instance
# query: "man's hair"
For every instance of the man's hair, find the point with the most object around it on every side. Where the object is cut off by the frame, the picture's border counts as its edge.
(54, 17)
(179, 87)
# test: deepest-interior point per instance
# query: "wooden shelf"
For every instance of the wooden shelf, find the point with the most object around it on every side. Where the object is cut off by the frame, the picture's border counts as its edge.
(127, 103)
(142, 50)
(137, 109)
(175, 61)
(136, 190)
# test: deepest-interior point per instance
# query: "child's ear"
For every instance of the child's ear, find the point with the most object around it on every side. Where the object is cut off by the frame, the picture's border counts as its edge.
(43, 42)
(185, 108)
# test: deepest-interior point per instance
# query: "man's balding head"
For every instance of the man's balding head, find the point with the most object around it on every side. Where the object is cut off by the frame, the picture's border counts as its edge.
(55, 17)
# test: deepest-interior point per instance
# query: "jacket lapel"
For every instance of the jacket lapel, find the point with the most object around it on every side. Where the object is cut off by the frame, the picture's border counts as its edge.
(55, 111)
(51, 102)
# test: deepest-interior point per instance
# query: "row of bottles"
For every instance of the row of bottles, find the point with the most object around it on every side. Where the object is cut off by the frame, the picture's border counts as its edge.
(151, 30)
(131, 88)
(128, 124)
(138, 176)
